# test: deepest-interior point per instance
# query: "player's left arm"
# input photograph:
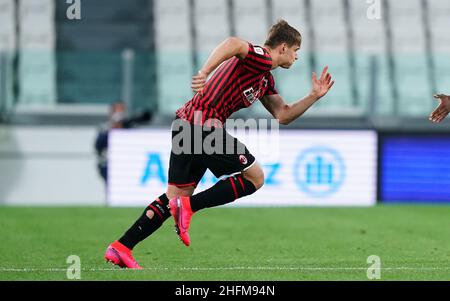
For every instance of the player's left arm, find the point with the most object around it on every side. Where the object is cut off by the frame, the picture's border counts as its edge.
(286, 113)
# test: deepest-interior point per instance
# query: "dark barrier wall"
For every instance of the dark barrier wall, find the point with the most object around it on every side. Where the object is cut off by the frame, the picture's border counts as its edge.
(414, 168)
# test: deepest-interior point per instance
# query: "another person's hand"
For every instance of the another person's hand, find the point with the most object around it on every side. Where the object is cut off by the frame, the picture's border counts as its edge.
(199, 81)
(321, 86)
(442, 109)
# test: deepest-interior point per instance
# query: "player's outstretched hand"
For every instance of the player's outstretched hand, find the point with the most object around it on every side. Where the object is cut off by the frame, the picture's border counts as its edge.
(199, 81)
(321, 86)
(442, 109)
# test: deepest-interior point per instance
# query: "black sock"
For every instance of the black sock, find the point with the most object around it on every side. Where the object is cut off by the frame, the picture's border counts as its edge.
(145, 226)
(223, 192)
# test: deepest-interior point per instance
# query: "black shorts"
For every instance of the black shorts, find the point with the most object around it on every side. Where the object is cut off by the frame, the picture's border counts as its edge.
(196, 149)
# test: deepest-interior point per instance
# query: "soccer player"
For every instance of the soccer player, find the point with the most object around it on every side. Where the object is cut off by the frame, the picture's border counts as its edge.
(242, 76)
(442, 110)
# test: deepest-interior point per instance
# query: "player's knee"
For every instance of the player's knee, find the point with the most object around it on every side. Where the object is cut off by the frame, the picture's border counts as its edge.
(258, 181)
(150, 214)
(256, 176)
(174, 191)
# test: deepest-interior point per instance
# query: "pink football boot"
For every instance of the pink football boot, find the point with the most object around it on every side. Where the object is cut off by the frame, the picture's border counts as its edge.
(120, 255)
(180, 208)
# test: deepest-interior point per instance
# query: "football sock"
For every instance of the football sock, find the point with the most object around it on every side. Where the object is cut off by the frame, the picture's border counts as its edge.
(223, 192)
(145, 226)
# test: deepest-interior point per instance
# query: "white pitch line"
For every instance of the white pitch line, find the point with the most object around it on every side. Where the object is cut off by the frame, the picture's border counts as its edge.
(249, 268)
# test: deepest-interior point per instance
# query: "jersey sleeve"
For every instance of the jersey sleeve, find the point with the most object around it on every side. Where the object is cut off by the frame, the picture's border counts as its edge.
(258, 60)
(271, 90)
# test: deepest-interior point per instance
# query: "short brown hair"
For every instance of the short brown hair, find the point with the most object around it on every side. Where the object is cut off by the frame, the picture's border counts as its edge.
(282, 32)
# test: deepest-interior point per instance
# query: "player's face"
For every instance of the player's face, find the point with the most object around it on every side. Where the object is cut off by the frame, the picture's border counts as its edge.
(290, 56)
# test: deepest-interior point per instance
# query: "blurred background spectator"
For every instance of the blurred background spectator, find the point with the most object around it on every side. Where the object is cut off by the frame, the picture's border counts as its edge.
(117, 120)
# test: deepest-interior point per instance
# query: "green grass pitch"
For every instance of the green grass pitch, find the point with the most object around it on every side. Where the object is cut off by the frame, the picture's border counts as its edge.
(232, 244)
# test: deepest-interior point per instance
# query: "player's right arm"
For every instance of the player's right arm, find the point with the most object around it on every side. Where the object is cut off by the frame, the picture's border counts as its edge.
(227, 49)
(442, 110)
(286, 113)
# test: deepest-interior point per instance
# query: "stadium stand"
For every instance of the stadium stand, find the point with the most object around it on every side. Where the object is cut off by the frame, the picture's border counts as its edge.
(7, 48)
(173, 40)
(207, 37)
(90, 52)
(370, 46)
(408, 42)
(294, 83)
(251, 20)
(386, 67)
(37, 66)
(332, 48)
(439, 22)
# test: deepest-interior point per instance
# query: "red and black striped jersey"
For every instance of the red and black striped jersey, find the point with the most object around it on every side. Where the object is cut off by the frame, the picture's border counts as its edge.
(236, 84)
